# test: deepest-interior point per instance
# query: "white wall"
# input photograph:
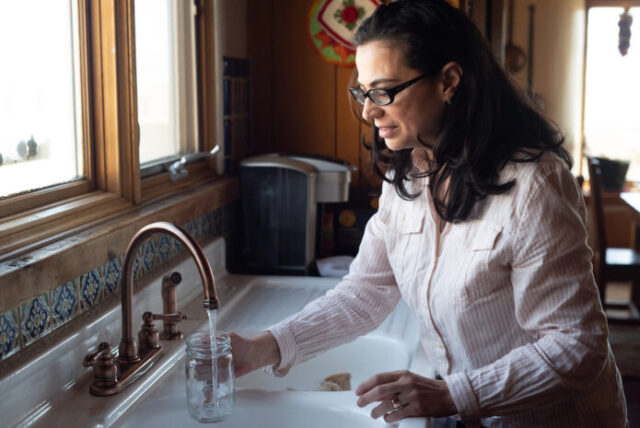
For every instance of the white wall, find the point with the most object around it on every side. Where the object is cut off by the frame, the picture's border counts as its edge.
(557, 59)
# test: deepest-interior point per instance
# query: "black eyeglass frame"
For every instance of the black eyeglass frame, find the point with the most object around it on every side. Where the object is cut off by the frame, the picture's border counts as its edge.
(391, 92)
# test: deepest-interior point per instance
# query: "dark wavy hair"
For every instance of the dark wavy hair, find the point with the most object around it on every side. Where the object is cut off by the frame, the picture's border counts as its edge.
(488, 123)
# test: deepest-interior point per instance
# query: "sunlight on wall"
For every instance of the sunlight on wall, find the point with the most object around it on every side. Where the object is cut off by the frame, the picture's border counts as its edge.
(557, 61)
(612, 123)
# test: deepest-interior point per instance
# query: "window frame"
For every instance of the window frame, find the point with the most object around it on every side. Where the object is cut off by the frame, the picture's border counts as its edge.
(112, 182)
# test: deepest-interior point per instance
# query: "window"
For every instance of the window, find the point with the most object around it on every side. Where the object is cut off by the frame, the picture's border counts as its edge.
(40, 137)
(612, 90)
(77, 120)
(166, 79)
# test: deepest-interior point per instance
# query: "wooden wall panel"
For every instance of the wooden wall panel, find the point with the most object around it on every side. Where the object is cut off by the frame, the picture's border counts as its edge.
(304, 86)
(618, 221)
(259, 41)
(299, 101)
(347, 139)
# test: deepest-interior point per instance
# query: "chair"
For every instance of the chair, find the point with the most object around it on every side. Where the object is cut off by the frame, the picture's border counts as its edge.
(613, 264)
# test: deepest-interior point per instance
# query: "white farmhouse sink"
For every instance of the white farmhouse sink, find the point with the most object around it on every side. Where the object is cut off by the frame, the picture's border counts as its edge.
(262, 409)
(293, 400)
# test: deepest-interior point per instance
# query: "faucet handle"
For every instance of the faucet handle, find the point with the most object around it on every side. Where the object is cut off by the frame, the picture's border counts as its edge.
(170, 320)
(90, 359)
(105, 372)
(148, 336)
(174, 317)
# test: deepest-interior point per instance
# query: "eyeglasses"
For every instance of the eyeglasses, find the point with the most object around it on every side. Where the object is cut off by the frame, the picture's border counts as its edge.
(381, 96)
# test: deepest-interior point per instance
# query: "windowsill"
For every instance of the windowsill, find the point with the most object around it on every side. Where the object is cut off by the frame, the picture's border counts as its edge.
(31, 272)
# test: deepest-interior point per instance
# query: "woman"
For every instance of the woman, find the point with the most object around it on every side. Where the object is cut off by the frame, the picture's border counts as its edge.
(480, 229)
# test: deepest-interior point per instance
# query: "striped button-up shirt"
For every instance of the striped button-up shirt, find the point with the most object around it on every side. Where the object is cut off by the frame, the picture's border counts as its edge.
(509, 309)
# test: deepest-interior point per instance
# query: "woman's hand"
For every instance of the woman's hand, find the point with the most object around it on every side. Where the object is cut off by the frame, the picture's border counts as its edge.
(251, 354)
(413, 395)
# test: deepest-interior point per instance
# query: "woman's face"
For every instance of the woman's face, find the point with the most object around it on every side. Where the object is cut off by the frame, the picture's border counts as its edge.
(416, 111)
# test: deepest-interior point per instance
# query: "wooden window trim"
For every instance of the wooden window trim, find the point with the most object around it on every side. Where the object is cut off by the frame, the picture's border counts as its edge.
(35, 219)
(160, 184)
(206, 80)
(31, 200)
(111, 135)
(37, 228)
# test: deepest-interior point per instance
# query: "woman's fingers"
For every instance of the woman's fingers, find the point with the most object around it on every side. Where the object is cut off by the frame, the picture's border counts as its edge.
(378, 379)
(383, 386)
(251, 354)
(388, 406)
(382, 392)
(403, 394)
(403, 412)
(241, 350)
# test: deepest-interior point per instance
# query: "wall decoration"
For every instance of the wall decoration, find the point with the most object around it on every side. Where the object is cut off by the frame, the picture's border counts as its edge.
(332, 25)
(624, 35)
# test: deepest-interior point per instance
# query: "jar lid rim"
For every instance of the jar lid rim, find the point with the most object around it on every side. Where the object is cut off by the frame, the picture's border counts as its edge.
(201, 341)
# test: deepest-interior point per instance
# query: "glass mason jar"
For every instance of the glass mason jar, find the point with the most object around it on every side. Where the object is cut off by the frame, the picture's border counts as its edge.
(210, 387)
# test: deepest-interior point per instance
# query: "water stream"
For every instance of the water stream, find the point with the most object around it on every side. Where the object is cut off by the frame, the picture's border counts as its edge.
(213, 317)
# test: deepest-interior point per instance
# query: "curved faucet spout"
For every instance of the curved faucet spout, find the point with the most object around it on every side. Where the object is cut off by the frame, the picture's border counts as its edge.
(128, 349)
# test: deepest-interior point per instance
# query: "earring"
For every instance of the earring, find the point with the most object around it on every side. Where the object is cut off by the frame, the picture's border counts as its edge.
(448, 101)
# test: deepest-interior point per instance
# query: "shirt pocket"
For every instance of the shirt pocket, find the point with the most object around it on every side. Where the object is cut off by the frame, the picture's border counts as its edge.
(482, 274)
(403, 240)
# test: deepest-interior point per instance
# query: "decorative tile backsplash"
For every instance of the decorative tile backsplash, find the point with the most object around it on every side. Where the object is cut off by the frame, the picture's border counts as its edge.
(64, 303)
(34, 319)
(9, 333)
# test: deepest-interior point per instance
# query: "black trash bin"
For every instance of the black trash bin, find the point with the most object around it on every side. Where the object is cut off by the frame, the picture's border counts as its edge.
(280, 195)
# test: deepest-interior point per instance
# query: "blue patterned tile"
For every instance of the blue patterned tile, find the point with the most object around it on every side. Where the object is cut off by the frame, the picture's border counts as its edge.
(205, 225)
(177, 246)
(138, 266)
(90, 289)
(149, 256)
(217, 222)
(9, 334)
(211, 220)
(36, 319)
(164, 248)
(111, 276)
(227, 218)
(64, 303)
(193, 229)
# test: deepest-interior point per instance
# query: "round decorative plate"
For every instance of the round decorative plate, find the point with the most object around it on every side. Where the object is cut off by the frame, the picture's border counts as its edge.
(332, 25)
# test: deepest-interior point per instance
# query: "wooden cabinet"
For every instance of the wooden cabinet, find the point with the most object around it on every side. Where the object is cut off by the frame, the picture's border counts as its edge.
(618, 221)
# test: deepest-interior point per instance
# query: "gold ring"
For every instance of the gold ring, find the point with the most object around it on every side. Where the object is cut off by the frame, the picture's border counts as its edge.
(396, 403)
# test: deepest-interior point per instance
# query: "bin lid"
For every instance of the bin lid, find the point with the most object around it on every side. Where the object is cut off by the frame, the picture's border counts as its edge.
(334, 177)
(323, 165)
(274, 160)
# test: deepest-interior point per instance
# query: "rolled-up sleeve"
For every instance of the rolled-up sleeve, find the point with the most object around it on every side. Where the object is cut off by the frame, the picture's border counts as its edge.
(357, 305)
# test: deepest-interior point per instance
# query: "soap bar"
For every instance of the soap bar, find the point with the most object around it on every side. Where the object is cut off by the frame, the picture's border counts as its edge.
(337, 382)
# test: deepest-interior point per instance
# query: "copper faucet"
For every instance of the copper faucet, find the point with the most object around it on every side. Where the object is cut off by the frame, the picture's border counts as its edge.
(132, 363)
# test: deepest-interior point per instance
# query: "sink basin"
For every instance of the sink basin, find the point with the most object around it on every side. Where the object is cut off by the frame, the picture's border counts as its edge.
(293, 400)
(268, 409)
(362, 358)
